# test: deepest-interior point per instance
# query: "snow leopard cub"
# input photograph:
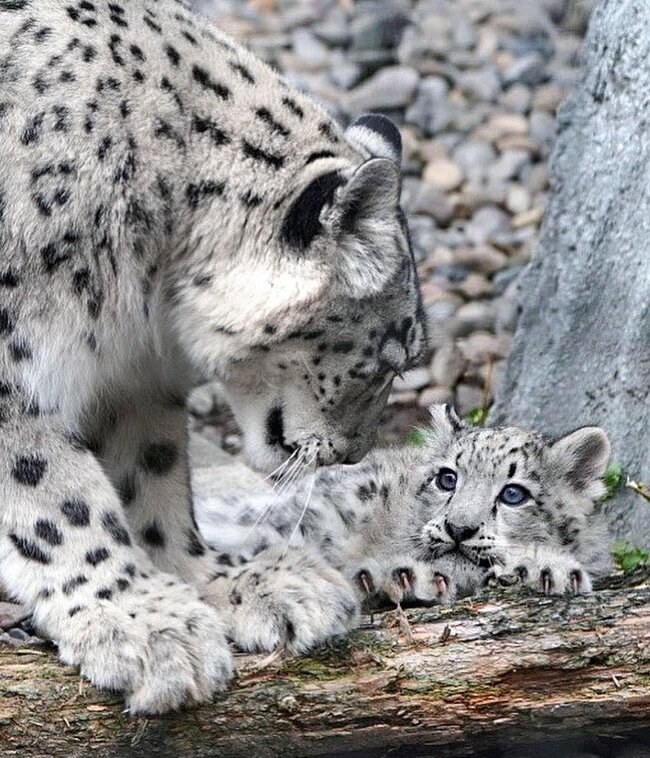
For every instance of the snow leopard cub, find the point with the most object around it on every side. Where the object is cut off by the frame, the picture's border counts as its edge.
(427, 523)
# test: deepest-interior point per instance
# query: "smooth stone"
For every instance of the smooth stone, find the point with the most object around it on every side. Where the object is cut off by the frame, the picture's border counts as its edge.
(508, 165)
(481, 258)
(414, 379)
(547, 97)
(468, 397)
(487, 222)
(431, 111)
(528, 69)
(516, 98)
(445, 175)
(11, 614)
(518, 199)
(475, 285)
(481, 84)
(474, 156)
(478, 347)
(542, 127)
(309, 48)
(471, 317)
(432, 201)
(448, 365)
(391, 87)
(434, 396)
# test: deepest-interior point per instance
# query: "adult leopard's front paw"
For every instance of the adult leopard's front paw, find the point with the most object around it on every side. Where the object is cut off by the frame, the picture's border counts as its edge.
(285, 597)
(154, 640)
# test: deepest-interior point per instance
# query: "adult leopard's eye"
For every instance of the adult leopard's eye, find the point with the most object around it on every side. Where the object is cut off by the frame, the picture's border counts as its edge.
(514, 494)
(446, 479)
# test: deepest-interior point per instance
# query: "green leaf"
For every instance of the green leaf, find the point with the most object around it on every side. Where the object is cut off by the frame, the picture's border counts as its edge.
(416, 436)
(613, 479)
(477, 416)
(628, 557)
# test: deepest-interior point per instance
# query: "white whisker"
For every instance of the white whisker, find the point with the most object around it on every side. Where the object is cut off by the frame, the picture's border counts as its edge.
(307, 501)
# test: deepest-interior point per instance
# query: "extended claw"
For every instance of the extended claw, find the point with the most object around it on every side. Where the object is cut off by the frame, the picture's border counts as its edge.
(546, 578)
(576, 581)
(364, 580)
(441, 584)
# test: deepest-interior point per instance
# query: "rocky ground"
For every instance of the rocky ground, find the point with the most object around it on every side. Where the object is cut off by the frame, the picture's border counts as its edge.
(474, 86)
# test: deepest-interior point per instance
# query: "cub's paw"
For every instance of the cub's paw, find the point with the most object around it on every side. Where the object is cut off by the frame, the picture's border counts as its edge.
(550, 574)
(154, 639)
(286, 597)
(402, 581)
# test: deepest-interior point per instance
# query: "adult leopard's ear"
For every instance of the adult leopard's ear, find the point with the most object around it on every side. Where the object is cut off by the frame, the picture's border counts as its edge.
(376, 135)
(581, 459)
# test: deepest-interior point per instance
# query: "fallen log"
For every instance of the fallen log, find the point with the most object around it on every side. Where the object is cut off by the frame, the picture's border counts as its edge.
(499, 669)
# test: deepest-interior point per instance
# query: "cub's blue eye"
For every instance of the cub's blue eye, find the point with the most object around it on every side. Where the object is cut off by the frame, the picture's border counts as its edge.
(514, 494)
(446, 479)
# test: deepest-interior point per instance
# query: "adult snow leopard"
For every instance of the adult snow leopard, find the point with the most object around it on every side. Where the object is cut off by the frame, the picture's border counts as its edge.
(170, 210)
(425, 523)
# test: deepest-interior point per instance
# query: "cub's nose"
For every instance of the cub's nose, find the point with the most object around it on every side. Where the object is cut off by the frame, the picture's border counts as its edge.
(460, 533)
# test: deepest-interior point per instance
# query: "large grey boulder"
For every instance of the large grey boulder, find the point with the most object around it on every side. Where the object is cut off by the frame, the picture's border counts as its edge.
(581, 352)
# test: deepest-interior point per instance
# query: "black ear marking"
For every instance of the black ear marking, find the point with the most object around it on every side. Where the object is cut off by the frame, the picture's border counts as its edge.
(302, 222)
(378, 135)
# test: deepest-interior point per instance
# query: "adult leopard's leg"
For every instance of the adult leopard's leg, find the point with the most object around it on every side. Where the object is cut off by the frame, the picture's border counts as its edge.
(145, 455)
(67, 553)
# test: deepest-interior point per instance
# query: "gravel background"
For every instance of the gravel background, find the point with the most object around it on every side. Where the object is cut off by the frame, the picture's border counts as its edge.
(474, 86)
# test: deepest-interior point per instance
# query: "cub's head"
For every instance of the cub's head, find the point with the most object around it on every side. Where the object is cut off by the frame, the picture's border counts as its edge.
(316, 307)
(482, 491)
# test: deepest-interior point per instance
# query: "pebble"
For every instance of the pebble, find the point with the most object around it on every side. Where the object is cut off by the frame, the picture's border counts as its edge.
(435, 396)
(487, 222)
(474, 157)
(481, 84)
(508, 165)
(432, 201)
(431, 111)
(518, 199)
(468, 397)
(481, 258)
(11, 614)
(478, 347)
(448, 365)
(443, 174)
(517, 98)
(391, 87)
(502, 124)
(414, 379)
(471, 317)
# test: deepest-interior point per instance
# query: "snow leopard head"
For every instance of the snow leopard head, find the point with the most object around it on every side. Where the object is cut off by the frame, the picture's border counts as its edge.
(320, 305)
(483, 491)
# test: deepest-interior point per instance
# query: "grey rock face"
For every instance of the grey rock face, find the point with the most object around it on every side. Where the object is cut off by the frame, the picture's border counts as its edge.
(581, 352)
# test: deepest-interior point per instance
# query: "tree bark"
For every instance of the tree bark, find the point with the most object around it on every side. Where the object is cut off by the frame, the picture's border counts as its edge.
(494, 670)
(581, 352)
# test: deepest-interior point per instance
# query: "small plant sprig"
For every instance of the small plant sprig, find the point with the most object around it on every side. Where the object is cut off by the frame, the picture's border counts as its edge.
(628, 557)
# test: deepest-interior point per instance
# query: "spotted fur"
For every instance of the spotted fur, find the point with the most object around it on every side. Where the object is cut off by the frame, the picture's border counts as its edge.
(170, 210)
(395, 528)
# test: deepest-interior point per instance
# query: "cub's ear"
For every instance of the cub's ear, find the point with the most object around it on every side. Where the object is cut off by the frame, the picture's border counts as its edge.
(445, 424)
(581, 459)
(376, 135)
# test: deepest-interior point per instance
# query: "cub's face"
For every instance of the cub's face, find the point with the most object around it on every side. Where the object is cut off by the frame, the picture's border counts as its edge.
(484, 491)
(317, 312)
